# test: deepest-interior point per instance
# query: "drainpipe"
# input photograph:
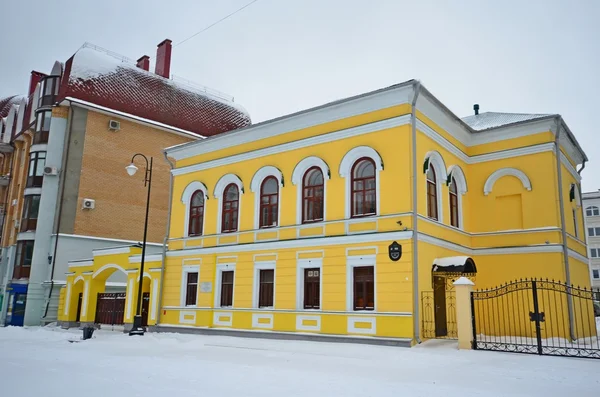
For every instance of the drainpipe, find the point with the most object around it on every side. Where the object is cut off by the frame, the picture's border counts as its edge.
(562, 222)
(164, 249)
(415, 240)
(60, 207)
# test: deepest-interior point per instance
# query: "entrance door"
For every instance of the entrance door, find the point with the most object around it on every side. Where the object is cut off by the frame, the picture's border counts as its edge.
(18, 309)
(78, 318)
(439, 301)
(145, 306)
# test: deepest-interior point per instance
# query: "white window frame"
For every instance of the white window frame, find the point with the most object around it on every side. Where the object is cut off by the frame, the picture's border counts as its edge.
(591, 208)
(441, 177)
(225, 181)
(298, 181)
(351, 263)
(596, 250)
(596, 278)
(224, 267)
(258, 266)
(308, 264)
(346, 172)
(594, 229)
(186, 199)
(185, 270)
(575, 223)
(255, 186)
(456, 173)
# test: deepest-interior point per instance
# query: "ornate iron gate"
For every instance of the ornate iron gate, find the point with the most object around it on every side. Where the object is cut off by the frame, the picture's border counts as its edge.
(537, 317)
(439, 310)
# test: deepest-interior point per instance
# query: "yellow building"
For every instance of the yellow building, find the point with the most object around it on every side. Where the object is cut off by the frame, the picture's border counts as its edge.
(345, 218)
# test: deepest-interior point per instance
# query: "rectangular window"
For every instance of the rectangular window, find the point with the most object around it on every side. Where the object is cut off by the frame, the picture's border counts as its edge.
(594, 252)
(364, 288)
(31, 207)
(23, 259)
(575, 223)
(312, 288)
(265, 289)
(42, 128)
(35, 176)
(191, 291)
(227, 288)
(596, 273)
(594, 231)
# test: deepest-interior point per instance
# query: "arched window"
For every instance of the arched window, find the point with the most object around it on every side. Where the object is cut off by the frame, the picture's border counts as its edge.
(592, 211)
(453, 203)
(312, 195)
(364, 190)
(269, 194)
(432, 209)
(196, 214)
(229, 215)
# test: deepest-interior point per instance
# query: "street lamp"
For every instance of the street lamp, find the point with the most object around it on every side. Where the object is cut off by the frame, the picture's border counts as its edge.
(137, 328)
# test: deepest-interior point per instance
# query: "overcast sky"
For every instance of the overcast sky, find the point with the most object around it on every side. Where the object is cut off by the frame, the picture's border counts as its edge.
(280, 56)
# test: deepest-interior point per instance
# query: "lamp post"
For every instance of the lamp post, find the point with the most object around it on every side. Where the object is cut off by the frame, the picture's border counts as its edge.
(137, 328)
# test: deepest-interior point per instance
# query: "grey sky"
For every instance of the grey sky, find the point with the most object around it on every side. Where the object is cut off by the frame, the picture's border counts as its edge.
(280, 56)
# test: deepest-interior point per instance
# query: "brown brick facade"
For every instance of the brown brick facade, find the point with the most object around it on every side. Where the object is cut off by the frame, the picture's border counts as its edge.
(120, 200)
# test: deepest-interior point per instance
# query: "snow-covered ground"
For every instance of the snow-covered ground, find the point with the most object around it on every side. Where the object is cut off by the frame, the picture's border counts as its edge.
(42, 362)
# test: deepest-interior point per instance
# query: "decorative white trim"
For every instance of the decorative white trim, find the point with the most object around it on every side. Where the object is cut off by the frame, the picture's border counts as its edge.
(298, 179)
(259, 316)
(489, 183)
(186, 198)
(301, 327)
(39, 147)
(352, 320)
(130, 296)
(79, 278)
(183, 320)
(255, 186)
(302, 264)
(345, 171)
(154, 302)
(131, 242)
(217, 318)
(108, 266)
(435, 158)
(220, 268)
(301, 243)
(32, 191)
(457, 173)
(578, 256)
(148, 258)
(68, 299)
(83, 263)
(351, 263)
(225, 181)
(111, 251)
(258, 266)
(185, 269)
(86, 296)
(569, 167)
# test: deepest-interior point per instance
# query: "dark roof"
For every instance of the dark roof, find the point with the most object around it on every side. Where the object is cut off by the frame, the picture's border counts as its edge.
(102, 78)
(488, 120)
(6, 103)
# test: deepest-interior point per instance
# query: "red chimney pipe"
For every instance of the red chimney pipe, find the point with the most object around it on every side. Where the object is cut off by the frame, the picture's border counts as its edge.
(144, 62)
(34, 80)
(163, 58)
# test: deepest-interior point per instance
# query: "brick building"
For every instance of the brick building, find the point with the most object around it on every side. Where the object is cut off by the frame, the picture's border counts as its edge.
(63, 152)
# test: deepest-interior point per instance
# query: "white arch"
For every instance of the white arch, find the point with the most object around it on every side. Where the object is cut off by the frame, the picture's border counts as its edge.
(435, 158)
(346, 172)
(357, 153)
(57, 69)
(224, 182)
(454, 171)
(262, 173)
(78, 279)
(489, 184)
(298, 177)
(576, 195)
(108, 266)
(255, 185)
(186, 198)
(218, 194)
(305, 164)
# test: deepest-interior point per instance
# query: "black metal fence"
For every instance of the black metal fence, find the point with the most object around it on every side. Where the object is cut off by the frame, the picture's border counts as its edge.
(537, 317)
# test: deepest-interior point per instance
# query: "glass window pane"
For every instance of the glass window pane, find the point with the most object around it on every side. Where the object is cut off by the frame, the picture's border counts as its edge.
(269, 186)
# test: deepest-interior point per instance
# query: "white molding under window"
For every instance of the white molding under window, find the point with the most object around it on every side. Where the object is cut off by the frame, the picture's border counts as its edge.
(346, 172)
(258, 266)
(185, 270)
(308, 264)
(351, 263)
(489, 183)
(225, 181)
(298, 181)
(186, 198)
(255, 187)
(224, 267)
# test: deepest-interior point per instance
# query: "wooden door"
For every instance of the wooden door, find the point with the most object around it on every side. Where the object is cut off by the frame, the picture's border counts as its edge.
(439, 302)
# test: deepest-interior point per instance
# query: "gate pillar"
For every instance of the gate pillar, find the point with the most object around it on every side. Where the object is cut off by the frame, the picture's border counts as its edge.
(464, 314)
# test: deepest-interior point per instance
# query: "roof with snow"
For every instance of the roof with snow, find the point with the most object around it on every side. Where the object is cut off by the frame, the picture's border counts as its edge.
(488, 120)
(98, 76)
(6, 103)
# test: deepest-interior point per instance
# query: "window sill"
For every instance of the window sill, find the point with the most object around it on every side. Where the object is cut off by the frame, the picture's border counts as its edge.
(362, 216)
(265, 308)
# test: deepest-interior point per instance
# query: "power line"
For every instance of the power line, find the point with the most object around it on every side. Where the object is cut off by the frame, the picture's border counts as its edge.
(213, 24)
